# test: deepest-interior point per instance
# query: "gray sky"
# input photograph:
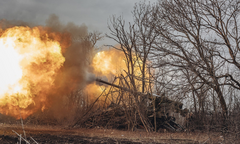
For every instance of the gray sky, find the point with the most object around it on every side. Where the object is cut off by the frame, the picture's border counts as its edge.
(93, 13)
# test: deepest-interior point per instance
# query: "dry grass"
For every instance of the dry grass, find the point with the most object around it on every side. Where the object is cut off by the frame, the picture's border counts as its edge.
(135, 136)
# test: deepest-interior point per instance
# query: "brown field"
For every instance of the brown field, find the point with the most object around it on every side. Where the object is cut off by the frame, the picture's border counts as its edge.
(52, 135)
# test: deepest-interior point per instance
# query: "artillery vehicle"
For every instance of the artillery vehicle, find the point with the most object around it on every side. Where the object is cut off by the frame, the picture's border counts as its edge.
(168, 114)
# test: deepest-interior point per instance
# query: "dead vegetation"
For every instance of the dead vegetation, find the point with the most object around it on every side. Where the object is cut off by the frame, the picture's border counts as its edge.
(188, 82)
(117, 117)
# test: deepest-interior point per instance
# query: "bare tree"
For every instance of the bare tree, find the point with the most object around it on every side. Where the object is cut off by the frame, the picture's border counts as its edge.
(193, 38)
(145, 36)
(127, 41)
(192, 44)
(136, 42)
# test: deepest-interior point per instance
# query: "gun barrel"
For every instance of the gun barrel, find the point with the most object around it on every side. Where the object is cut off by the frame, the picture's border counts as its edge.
(123, 88)
(107, 83)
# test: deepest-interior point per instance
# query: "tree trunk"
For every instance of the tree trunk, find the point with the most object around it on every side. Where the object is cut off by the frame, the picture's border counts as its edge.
(222, 100)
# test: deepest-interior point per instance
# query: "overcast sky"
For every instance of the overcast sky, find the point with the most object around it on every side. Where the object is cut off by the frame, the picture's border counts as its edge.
(93, 13)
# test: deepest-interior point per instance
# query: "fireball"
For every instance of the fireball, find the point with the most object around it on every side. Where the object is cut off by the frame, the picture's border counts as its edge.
(29, 61)
(109, 63)
(112, 63)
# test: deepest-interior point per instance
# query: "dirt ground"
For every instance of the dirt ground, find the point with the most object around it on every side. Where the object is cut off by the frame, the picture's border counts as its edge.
(53, 135)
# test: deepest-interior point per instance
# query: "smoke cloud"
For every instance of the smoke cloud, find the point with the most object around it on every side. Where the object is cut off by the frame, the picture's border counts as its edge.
(77, 50)
(73, 75)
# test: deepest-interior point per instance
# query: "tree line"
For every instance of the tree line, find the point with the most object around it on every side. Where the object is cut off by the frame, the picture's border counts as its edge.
(193, 47)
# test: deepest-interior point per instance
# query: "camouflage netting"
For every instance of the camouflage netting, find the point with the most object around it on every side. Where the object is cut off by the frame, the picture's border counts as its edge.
(164, 106)
(117, 117)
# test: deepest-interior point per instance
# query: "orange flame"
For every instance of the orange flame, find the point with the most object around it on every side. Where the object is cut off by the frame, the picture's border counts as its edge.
(108, 64)
(111, 63)
(29, 61)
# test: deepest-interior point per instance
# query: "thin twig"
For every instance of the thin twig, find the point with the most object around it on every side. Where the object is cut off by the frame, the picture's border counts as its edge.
(22, 123)
(21, 137)
(33, 140)
(88, 109)
(206, 140)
